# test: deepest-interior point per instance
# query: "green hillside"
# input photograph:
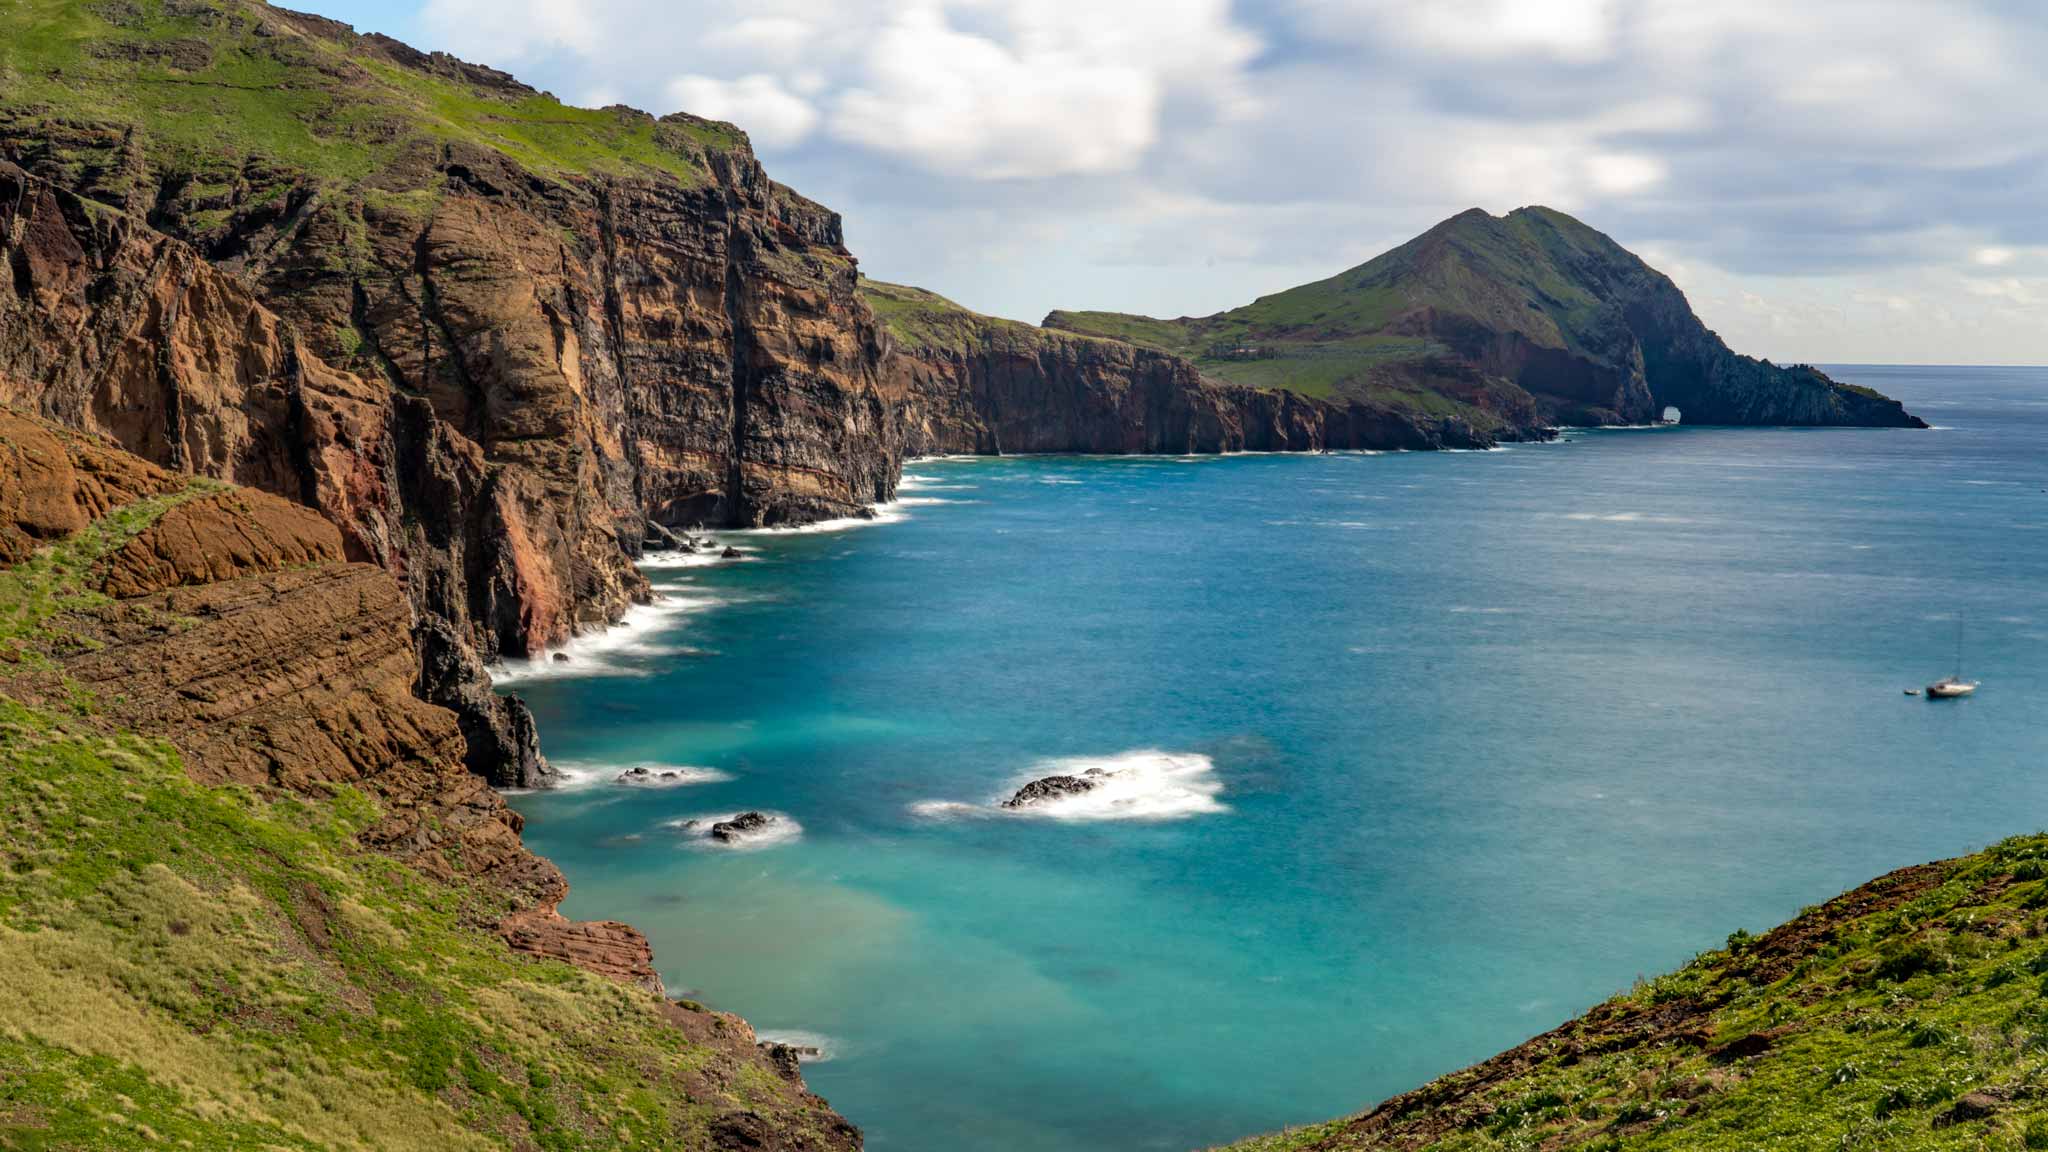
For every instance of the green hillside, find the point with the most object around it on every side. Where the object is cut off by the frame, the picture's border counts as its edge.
(1534, 271)
(207, 968)
(205, 84)
(1909, 1014)
(1533, 316)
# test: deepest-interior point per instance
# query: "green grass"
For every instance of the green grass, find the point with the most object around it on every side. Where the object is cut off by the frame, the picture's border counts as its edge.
(234, 970)
(1870, 1028)
(331, 109)
(225, 968)
(923, 321)
(63, 577)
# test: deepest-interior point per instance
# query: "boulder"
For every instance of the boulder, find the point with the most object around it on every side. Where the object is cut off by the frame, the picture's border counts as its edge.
(727, 831)
(1054, 788)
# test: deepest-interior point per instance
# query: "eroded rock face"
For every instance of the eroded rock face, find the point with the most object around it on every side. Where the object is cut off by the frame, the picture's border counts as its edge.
(606, 947)
(54, 483)
(1049, 391)
(220, 537)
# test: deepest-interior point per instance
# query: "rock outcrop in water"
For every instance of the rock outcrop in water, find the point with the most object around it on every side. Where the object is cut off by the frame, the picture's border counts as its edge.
(741, 827)
(1050, 788)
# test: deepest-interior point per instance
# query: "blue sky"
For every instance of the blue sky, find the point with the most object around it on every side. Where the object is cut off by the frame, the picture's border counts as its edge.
(1829, 181)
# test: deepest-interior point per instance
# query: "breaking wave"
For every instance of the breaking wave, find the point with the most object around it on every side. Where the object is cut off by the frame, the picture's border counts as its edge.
(888, 513)
(811, 1047)
(696, 831)
(1143, 784)
(598, 653)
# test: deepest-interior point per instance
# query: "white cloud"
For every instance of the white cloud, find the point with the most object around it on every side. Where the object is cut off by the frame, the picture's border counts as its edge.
(514, 28)
(772, 116)
(1565, 29)
(1048, 89)
(1624, 173)
(1181, 157)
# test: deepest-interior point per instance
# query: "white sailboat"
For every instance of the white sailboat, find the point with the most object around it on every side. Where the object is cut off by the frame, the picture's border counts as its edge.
(1953, 686)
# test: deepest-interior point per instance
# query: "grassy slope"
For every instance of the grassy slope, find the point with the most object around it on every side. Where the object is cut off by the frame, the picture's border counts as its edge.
(210, 968)
(923, 321)
(203, 86)
(1888, 1019)
(1329, 336)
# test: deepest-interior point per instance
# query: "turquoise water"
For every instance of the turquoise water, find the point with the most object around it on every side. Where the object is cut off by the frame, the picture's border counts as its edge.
(1455, 746)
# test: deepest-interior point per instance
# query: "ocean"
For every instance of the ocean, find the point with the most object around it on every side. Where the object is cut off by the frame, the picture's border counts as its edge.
(1407, 757)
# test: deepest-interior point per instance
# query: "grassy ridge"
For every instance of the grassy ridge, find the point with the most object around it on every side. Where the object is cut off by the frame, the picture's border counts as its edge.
(218, 968)
(923, 321)
(1532, 271)
(1911, 1014)
(180, 962)
(207, 83)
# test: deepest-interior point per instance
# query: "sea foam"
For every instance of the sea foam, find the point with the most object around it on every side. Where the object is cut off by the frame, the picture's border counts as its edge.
(697, 831)
(1143, 784)
(812, 1047)
(577, 775)
(597, 653)
(889, 513)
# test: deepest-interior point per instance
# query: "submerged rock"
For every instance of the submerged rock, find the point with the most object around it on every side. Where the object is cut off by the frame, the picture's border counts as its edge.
(730, 553)
(726, 831)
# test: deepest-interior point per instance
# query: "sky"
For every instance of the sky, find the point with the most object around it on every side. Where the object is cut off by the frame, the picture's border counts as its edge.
(1831, 182)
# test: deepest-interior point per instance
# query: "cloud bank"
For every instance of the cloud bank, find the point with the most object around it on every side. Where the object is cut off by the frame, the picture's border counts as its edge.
(1829, 180)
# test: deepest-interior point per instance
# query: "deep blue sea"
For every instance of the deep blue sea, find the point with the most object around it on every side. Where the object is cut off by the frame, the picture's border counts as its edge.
(1412, 755)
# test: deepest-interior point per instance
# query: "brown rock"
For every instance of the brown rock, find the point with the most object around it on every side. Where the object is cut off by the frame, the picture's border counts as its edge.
(605, 947)
(221, 537)
(1971, 1107)
(53, 483)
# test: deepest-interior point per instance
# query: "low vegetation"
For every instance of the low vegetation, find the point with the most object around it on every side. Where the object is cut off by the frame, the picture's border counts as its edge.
(210, 968)
(207, 83)
(229, 968)
(64, 577)
(1910, 1014)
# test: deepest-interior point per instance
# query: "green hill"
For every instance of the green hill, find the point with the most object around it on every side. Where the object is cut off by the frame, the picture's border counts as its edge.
(205, 84)
(1532, 302)
(1911, 1013)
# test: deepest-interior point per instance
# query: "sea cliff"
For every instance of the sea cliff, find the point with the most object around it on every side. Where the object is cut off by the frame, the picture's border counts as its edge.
(254, 897)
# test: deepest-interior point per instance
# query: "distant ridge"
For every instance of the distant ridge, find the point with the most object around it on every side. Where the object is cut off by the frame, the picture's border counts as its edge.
(1532, 317)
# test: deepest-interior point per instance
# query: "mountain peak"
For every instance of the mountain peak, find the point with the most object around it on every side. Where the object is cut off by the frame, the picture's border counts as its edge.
(1516, 320)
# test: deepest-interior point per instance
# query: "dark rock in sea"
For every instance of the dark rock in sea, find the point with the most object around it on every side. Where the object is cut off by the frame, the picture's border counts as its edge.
(730, 553)
(785, 1060)
(726, 831)
(561, 657)
(501, 741)
(1053, 788)
(662, 539)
